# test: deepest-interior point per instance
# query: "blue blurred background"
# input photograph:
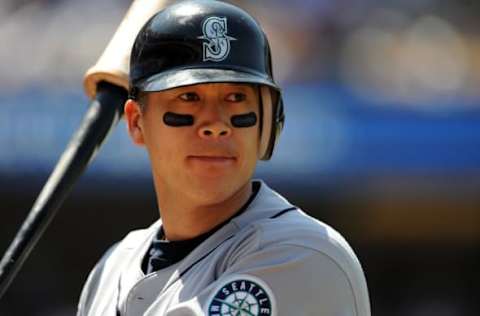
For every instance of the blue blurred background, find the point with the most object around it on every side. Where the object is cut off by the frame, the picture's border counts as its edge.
(382, 141)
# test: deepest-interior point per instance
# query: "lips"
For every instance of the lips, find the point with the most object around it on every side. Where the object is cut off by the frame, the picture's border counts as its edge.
(215, 160)
(208, 158)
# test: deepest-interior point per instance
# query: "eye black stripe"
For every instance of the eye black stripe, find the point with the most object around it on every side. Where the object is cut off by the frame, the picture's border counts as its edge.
(244, 120)
(177, 120)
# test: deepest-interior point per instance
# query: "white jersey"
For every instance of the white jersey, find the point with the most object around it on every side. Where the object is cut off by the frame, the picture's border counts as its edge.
(272, 259)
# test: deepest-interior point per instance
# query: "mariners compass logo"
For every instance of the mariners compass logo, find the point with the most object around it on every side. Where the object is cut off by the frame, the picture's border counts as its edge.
(242, 296)
(217, 43)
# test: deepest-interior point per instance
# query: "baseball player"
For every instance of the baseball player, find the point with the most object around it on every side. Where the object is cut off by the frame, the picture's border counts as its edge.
(205, 106)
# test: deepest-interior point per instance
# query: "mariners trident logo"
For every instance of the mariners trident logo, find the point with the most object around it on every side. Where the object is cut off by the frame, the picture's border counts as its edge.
(242, 296)
(217, 45)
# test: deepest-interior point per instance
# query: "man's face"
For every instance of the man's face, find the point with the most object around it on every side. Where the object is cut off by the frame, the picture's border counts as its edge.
(210, 160)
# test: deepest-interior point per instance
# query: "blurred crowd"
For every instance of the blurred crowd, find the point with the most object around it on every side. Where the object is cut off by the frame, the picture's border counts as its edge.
(410, 52)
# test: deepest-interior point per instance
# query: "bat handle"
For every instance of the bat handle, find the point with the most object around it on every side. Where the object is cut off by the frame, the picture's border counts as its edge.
(104, 113)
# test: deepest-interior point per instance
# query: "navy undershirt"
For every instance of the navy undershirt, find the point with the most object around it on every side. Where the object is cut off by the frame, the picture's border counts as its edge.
(164, 253)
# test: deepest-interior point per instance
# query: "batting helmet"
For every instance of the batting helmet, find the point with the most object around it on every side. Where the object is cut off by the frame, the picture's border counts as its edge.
(207, 41)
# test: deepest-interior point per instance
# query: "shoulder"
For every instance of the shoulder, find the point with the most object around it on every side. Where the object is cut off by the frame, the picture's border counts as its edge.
(304, 261)
(296, 253)
(301, 231)
(273, 221)
(107, 270)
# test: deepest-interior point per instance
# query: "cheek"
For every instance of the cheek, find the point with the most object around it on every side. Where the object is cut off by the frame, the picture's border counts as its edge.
(159, 140)
(250, 142)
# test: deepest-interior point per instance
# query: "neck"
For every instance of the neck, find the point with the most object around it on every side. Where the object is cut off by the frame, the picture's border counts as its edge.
(185, 218)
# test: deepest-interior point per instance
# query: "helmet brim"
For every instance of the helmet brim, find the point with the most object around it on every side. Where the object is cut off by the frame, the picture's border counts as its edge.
(186, 77)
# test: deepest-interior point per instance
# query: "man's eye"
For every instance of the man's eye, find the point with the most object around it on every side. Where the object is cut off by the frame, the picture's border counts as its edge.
(189, 97)
(236, 97)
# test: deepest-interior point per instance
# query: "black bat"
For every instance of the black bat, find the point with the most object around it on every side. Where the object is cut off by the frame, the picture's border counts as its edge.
(104, 113)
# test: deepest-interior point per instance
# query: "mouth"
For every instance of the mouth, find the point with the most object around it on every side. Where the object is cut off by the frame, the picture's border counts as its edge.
(212, 158)
(211, 165)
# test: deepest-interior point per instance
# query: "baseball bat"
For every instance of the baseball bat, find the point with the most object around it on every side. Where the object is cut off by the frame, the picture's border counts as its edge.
(106, 84)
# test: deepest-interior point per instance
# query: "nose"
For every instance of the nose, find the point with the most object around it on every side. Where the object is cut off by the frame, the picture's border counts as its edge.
(215, 130)
(214, 125)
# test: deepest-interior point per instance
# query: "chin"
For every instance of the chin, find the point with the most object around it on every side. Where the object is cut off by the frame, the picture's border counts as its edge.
(214, 191)
(211, 200)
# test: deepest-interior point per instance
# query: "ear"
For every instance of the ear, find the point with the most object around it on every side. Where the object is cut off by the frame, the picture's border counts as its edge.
(134, 118)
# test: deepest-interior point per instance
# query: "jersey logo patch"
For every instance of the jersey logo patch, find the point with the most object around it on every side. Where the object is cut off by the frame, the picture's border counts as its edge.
(217, 43)
(242, 295)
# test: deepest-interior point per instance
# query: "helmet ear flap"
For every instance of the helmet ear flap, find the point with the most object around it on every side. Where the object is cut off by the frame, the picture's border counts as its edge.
(273, 119)
(267, 118)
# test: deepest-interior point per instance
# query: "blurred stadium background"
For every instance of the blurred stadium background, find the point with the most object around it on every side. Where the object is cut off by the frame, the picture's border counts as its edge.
(382, 142)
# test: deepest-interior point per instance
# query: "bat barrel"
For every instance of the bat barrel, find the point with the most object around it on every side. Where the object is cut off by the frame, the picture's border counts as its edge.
(104, 112)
